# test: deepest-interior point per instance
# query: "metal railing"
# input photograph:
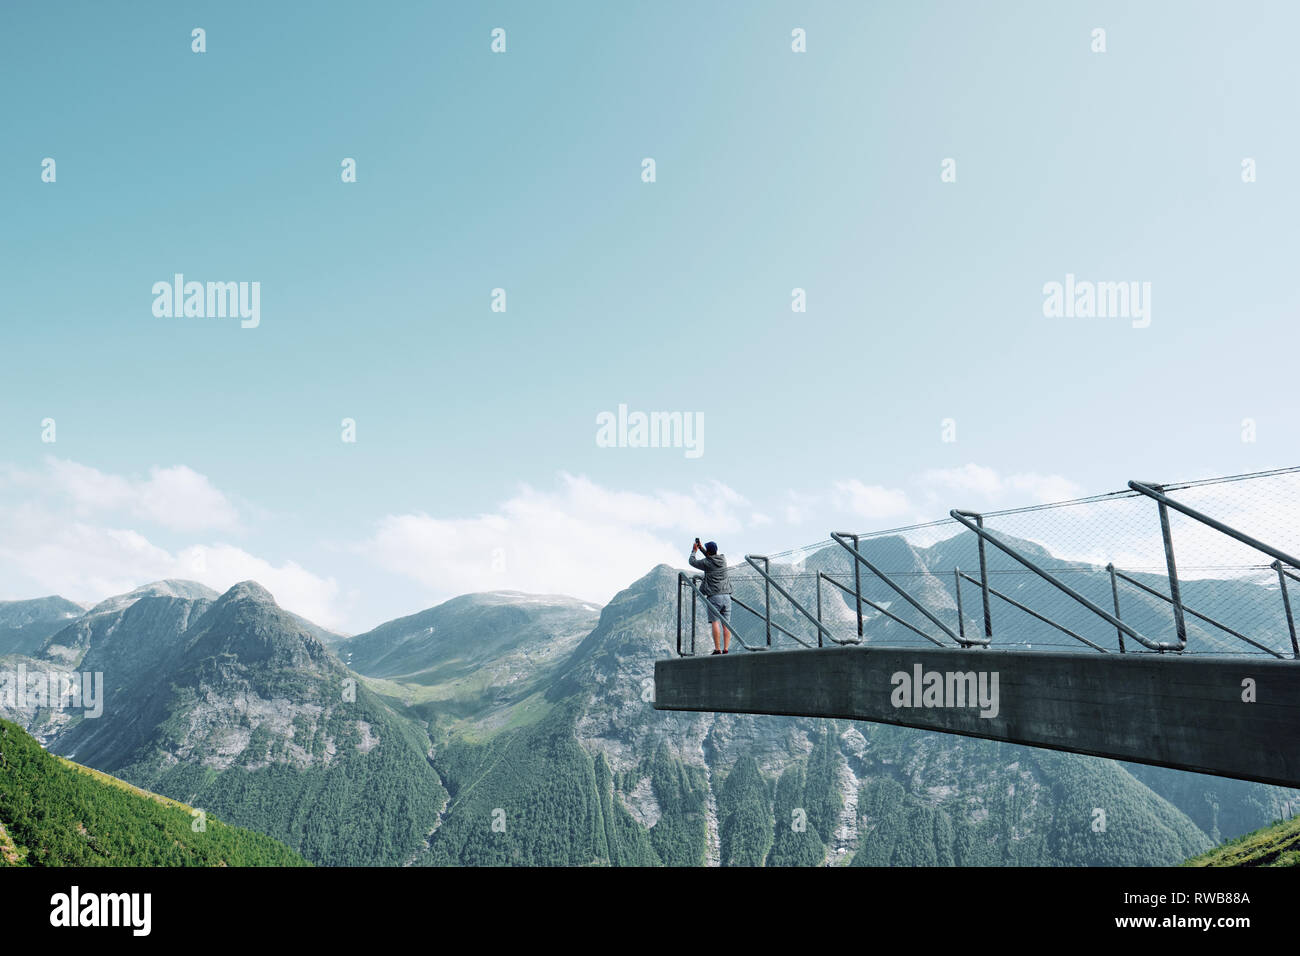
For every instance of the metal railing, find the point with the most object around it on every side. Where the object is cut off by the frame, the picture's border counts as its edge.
(930, 625)
(963, 518)
(840, 538)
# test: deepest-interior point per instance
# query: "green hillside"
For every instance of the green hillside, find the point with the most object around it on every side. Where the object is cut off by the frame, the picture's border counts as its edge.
(233, 706)
(1276, 845)
(57, 813)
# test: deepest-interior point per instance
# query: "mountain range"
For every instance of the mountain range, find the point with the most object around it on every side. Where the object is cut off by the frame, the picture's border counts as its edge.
(507, 728)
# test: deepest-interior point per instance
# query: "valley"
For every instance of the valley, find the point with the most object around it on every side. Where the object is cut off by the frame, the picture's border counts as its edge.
(514, 729)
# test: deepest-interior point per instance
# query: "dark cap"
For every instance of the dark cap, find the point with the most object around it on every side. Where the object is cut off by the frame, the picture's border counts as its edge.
(710, 547)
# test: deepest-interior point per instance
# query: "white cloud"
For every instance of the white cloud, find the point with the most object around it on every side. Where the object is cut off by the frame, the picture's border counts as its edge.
(1122, 530)
(798, 507)
(64, 529)
(183, 500)
(988, 488)
(580, 539)
(872, 502)
(970, 479)
(927, 497)
(70, 529)
(44, 553)
(294, 587)
(1044, 488)
(176, 498)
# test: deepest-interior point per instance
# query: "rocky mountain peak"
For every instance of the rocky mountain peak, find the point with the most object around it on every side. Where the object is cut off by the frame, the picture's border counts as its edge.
(248, 591)
(170, 588)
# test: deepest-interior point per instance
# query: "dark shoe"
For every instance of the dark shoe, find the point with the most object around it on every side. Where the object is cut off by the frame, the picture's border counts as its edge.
(715, 651)
(727, 651)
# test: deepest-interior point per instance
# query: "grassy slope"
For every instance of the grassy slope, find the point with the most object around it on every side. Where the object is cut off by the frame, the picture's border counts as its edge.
(1277, 845)
(57, 813)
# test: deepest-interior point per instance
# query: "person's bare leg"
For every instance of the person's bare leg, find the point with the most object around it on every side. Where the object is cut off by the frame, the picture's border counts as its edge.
(716, 645)
(726, 639)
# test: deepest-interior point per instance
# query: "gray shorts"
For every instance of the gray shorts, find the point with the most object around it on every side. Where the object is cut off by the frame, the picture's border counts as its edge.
(719, 606)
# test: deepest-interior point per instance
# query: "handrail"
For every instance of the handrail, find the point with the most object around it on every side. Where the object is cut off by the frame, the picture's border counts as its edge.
(857, 586)
(1028, 610)
(681, 579)
(1285, 565)
(1275, 553)
(752, 560)
(775, 624)
(884, 611)
(1206, 618)
(681, 575)
(983, 583)
(848, 641)
(1282, 575)
(1114, 597)
(839, 536)
(961, 519)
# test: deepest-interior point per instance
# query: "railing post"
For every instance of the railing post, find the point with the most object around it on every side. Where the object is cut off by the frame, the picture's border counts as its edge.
(1197, 614)
(1286, 603)
(679, 614)
(692, 620)
(961, 623)
(1180, 623)
(1114, 593)
(819, 607)
(767, 600)
(984, 576)
(1152, 491)
(984, 583)
(857, 584)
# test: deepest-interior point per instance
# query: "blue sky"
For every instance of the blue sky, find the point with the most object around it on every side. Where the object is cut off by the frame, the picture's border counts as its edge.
(192, 445)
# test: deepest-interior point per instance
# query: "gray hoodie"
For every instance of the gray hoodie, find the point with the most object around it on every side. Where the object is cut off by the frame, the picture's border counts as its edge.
(715, 573)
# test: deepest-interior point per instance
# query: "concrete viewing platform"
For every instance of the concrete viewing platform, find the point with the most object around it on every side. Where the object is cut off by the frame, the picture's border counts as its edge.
(1233, 716)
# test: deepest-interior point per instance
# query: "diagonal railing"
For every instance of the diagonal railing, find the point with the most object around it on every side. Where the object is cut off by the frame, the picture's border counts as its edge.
(1025, 559)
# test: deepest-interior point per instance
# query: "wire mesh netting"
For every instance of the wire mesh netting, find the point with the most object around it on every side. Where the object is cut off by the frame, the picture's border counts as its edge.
(922, 584)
